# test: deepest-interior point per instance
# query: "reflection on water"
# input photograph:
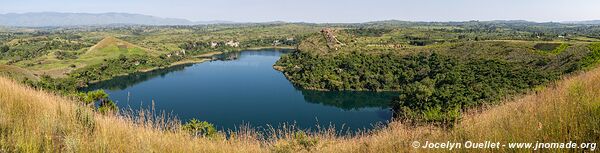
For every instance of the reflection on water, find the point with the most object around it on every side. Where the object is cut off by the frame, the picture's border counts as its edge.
(123, 82)
(349, 100)
(243, 88)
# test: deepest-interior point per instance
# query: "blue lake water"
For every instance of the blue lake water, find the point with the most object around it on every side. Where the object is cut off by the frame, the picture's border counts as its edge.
(244, 89)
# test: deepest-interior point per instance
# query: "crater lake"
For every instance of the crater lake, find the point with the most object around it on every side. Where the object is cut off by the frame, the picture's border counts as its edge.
(242, 89)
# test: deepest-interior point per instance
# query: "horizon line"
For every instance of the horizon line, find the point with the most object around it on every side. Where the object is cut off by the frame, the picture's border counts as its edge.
(241, 22)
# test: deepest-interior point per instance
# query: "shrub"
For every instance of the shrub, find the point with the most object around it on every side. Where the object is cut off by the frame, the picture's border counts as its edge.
(300, 141)
(91, 98)
(107, 107)
(304, 140)
(200, 128)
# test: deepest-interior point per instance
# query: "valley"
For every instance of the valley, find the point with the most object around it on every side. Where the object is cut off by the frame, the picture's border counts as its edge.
(299, 87)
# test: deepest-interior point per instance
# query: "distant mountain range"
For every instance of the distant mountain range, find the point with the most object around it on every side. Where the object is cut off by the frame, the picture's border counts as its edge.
(583, 22)
(47, 19)
(44, 19)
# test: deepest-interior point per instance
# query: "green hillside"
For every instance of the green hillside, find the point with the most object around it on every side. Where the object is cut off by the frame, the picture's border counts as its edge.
(111, 47)
(435, 76)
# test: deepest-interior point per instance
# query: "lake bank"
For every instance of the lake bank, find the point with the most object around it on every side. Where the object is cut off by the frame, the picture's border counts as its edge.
(190, 60)
(560, 113)
(263, 96)
(204, 57)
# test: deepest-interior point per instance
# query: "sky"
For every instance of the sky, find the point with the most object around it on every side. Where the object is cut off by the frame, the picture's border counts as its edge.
(325, 11)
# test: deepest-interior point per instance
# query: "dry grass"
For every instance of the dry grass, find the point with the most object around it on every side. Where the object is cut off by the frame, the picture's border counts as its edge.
(15, 72)
(35, 121)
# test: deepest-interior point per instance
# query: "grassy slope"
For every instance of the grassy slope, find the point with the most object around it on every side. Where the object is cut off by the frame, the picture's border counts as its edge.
(33, 121)
(154, 41)
(16, 72)
(111, 45)
(107, 48)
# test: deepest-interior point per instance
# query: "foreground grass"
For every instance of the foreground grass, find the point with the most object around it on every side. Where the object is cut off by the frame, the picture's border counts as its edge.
(36, 121)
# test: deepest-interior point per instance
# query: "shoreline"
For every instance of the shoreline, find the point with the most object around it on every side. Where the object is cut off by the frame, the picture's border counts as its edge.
(272, 47)
(191, 60)
(282, 70)
(210, 55)
(201, 58)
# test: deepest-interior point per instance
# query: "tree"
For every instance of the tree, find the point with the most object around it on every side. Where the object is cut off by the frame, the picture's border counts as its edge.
(4, 49)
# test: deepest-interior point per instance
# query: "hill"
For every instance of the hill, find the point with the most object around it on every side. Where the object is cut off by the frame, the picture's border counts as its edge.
(43, 19)
(436, 75)
(113, 47)
(107, 48)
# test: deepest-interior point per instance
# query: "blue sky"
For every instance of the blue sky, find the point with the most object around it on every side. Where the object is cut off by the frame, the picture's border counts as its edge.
(325, 10)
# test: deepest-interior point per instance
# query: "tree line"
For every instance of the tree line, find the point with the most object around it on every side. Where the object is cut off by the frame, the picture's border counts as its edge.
(430, 87)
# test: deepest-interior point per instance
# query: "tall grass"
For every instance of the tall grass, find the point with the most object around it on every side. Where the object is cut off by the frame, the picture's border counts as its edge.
(37, 121)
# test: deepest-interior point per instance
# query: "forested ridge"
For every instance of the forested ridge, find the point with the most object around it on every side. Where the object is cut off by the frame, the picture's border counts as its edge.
(436, 83)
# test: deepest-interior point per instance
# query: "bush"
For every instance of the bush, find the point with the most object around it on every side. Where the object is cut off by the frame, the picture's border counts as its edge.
(200, 128)
(4, 49)
(300, 141)
(62, 55)
(304, 140)
(91, 98)
(107, 107)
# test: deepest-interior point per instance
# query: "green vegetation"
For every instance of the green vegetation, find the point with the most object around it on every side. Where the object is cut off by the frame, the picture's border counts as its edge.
(437, 76)
(592, 58)
(427, 83)
(438, 69)
(200, 128)
(75, 57)
(551, 48)
(567, 111)
(100, 98)
(122, 65)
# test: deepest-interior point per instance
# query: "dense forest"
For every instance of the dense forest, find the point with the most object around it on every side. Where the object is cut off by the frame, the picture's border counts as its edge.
(426, 82)
(435, 84)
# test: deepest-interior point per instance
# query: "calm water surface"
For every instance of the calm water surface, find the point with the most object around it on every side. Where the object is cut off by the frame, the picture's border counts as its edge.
(243, 89)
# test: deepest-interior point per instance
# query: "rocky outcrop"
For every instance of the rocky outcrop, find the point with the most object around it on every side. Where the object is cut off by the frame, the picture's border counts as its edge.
(332, 41)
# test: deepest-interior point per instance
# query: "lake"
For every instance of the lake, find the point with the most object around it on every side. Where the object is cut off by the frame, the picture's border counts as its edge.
(242, 88)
